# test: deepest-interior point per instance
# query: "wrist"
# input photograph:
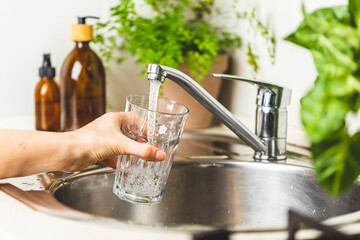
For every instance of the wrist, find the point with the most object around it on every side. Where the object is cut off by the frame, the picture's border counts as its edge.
(75, 151)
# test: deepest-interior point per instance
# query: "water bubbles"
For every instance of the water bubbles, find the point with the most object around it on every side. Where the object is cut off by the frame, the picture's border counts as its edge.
(162, 129)
(143, 181)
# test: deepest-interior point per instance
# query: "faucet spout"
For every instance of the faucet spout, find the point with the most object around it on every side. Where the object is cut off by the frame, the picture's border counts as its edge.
(160, 72)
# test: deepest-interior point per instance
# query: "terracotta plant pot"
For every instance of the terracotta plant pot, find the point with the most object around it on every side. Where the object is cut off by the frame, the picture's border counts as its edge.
(199, 117)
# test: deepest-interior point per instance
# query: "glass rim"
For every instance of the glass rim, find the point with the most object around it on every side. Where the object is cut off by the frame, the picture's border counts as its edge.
(159, 112)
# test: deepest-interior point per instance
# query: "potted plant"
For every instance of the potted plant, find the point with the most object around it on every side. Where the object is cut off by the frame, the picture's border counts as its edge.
(183, 34)
(332, 35)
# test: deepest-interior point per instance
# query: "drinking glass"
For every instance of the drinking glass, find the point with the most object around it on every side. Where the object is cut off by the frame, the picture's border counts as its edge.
(137, 180)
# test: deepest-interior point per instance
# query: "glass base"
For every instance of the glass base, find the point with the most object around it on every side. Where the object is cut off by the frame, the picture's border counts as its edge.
(144, 200)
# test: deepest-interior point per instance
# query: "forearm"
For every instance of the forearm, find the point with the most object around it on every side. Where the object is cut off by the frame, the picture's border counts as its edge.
(25, 152)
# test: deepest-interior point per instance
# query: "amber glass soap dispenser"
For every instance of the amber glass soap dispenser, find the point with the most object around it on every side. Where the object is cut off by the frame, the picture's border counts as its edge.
(47, 98)
(82, 81)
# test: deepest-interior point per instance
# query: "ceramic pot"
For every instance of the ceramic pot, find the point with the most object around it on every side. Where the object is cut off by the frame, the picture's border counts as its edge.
(199, 117)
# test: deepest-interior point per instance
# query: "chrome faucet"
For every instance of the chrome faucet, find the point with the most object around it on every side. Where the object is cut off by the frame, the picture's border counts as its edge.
(269, 139)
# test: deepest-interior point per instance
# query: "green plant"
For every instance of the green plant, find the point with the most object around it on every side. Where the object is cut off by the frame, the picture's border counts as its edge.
(332, 35)
(179, 32)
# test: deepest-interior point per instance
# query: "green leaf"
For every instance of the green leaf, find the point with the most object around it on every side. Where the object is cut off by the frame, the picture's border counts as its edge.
(354, 8)
(331, 25)
(321, 113)
(337, 162)
(344, 86)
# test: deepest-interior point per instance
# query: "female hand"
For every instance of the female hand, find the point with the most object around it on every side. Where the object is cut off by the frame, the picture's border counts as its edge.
(104, 141)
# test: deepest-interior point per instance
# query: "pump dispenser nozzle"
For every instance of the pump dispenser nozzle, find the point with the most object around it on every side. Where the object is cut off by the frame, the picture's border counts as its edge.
(82, 20)
(46, 69)
(82, 32)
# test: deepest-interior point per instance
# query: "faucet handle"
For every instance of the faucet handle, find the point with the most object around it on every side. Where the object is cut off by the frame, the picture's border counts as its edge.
(269, 95)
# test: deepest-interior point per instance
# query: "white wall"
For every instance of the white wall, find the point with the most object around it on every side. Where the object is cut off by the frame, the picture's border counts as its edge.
(30, 28)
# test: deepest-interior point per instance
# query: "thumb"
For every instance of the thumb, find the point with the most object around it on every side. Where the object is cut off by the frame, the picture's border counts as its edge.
(142, 150)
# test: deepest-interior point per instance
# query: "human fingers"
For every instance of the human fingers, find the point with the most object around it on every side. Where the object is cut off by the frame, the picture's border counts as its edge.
(142, 150)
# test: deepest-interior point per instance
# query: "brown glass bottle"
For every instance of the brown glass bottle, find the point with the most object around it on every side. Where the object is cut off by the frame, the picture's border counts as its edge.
(47, 99)
(82, 81)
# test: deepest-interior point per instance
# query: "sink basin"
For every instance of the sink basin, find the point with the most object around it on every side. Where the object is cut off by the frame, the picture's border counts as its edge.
(213, 186)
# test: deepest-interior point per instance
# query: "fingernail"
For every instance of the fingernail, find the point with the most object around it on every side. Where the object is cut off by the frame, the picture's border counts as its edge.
(160, 156)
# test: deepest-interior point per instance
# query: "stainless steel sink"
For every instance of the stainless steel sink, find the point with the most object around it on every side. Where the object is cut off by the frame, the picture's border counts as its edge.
(213, 182)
